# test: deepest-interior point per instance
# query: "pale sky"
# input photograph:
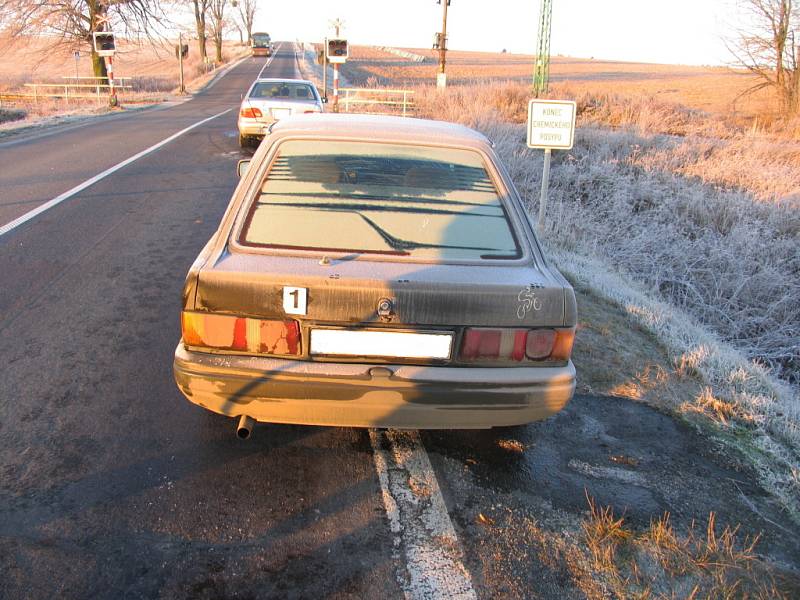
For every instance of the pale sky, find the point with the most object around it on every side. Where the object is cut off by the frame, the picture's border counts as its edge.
(665, 31)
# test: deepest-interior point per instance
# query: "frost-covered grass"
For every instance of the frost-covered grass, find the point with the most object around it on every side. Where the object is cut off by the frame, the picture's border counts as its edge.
(711, 224)
(697, 238)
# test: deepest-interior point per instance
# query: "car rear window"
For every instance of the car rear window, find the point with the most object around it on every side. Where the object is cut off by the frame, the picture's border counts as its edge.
(282, 91)
(361, 197)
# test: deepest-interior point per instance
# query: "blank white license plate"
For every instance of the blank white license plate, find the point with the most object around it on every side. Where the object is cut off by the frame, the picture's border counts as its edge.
(387, 344)
(281, 113)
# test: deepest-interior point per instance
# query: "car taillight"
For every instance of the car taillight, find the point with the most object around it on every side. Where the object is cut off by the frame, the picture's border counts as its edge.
(223, 332)
(500, 344)
(251, 113)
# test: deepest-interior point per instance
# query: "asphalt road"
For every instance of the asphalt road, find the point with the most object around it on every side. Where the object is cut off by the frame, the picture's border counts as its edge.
(112, 485)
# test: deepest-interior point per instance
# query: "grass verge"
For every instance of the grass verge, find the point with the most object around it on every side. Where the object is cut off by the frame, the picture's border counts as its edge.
(695, 253)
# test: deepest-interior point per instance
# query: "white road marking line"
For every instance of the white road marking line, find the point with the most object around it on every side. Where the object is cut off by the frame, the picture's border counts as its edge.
(271, 58)
(82, 186)
(222, 74)
(418, 519)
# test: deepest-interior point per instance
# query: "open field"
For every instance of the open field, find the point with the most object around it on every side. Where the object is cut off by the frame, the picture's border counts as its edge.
(711, 89)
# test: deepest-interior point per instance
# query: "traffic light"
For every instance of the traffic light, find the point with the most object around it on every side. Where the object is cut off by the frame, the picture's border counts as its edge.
(181, 50)
(337, 51)
(104, 43)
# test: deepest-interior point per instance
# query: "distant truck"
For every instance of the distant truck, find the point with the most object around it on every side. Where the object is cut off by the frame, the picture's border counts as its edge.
(261, 44)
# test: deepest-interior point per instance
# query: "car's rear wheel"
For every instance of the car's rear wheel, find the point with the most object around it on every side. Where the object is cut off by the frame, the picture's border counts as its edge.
(245, 141)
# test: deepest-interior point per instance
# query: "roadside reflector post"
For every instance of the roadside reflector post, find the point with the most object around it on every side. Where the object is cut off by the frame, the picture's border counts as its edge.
(551, 126)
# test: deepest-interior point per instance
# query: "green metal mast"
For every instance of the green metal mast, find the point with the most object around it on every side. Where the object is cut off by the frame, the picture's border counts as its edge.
(541, 68)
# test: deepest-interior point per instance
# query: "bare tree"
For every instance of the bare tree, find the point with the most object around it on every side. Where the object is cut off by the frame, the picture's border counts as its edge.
(247, 14)
(72, 23)
(217, 24)
(200, 11)
(768, 46)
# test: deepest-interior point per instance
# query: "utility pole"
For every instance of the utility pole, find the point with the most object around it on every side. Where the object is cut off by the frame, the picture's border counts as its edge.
(541, 68)
(441, 77)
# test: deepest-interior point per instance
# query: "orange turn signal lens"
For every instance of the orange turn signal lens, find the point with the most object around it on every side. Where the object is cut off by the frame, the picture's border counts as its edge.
(251, 113)
(562, 346)
(225, 332)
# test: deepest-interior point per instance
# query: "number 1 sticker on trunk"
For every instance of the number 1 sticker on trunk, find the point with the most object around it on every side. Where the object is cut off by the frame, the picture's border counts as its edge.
(294, 300)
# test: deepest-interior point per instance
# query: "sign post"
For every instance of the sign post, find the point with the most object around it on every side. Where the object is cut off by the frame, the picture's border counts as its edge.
(551, 126)
(76, 55)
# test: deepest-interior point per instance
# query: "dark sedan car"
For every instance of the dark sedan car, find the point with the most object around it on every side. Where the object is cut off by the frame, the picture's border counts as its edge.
(376, 271)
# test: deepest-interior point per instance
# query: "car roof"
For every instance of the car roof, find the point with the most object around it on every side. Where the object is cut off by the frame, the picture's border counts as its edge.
(280, 80)
(383, 127)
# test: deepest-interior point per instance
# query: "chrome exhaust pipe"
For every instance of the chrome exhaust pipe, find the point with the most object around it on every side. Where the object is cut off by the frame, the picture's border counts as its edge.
(245, 427)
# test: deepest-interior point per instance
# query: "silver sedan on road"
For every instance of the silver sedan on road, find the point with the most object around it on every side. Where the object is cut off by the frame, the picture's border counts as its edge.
(269, 100)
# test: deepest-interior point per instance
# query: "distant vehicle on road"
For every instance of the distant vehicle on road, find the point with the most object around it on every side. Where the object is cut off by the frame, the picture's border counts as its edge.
(261, 44)
(269, 100)
(376, 272)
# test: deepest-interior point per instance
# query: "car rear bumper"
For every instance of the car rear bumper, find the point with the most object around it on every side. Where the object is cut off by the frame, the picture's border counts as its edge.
(362, 395)
(253, 128)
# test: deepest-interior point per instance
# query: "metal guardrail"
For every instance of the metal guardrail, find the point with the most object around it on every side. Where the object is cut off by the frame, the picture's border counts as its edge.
(65, 88)
(350, 97)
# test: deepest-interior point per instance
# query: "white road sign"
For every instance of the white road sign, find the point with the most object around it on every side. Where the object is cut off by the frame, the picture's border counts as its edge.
(551, 124)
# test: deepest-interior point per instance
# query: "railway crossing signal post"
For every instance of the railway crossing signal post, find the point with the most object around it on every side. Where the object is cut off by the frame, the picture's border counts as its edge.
(551, 126)
(337, 52)
(105, 46)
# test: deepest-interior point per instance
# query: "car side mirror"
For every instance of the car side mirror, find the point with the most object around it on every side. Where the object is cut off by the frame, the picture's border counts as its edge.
(242, 166)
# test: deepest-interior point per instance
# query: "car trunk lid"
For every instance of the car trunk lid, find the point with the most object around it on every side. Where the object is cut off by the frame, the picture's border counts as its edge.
(359, 293)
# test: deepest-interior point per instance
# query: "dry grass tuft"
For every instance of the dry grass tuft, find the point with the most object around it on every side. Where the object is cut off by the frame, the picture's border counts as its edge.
(658, 562)
(720, 411)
